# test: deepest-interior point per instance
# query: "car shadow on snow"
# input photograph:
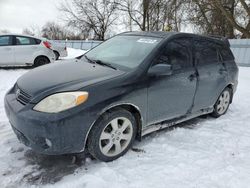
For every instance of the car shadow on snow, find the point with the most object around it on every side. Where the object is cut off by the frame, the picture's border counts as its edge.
(51, 169)
(48, 169)
(16, 68)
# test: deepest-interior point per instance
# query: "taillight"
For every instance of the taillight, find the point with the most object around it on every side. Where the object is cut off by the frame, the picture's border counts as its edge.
(47, 44)
(65, 48)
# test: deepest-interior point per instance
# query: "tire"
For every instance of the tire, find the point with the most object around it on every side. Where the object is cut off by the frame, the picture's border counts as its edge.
(39, 61)
(57, 55)
(112, 135)
(222, 104)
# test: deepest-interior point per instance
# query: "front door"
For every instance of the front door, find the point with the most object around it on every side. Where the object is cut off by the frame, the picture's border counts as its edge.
(172, 96)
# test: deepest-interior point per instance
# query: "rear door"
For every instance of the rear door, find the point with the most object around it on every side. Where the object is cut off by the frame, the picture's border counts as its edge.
(212, 73)
(6, 51)
(24, 49)
(172, 96)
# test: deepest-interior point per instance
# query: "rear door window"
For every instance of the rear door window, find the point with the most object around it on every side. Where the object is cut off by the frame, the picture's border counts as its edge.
(206, 52)
(5, 40)
(25, 41)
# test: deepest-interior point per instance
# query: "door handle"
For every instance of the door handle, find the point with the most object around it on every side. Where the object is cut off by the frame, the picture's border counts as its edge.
(192, 77)
(222, 71)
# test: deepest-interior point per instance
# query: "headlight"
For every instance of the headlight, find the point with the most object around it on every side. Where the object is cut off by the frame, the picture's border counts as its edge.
(61, 101)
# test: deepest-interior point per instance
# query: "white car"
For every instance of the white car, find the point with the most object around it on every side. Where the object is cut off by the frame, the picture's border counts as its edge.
(23, 50)
(59, 50)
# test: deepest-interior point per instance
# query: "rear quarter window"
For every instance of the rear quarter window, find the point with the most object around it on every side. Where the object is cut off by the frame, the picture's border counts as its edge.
(37, 41)
(226, 54)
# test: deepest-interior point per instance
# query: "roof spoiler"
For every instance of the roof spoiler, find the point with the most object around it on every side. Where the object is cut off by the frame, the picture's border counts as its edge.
(224, 39)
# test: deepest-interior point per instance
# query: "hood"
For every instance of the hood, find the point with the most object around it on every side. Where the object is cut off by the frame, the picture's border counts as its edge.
(64, 76)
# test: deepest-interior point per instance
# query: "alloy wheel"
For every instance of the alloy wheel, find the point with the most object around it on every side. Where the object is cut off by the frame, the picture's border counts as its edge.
(223, 102)
(116, 136)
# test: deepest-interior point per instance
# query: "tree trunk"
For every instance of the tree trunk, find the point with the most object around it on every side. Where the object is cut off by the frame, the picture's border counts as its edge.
(145, 5)
(232, 20)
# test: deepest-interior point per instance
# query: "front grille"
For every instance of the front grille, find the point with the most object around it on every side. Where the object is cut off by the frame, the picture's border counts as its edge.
(22, 96)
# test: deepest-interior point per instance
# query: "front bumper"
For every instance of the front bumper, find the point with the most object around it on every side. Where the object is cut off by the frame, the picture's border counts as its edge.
(52, 134)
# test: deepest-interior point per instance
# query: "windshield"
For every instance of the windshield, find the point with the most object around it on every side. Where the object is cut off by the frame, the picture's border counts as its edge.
(124, 51)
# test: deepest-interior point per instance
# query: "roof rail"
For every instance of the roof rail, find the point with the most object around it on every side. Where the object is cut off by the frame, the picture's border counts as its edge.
(224, 39)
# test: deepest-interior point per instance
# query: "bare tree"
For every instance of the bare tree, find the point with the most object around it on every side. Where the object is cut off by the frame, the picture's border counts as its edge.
(241, 22)
(33, 30)
(217, 17)
(91, 16)
(4, 31)
(138, 12)
(51, 30)
(221, 17)
(133, 8)
(166, 15)
(27, 31)
(155, 15)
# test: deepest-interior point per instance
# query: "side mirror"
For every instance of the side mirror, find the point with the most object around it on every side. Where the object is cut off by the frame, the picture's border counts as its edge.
(160, 70)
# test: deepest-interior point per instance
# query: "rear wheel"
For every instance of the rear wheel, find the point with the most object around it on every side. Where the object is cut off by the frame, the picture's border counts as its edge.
(222, 104)
(39, 61)
(112, 136)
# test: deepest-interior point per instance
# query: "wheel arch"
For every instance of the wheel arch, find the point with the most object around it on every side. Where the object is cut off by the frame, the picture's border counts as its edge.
(56, 52)
(40, 57)
(231, 87)
(127, 106)
(135, 111)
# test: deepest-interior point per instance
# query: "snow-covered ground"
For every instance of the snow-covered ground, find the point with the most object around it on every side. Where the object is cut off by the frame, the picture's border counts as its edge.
(203, 152)
(72, 53)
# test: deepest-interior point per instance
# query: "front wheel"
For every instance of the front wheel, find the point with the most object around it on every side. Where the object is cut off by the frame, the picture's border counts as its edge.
(112, 135)
(222, 104)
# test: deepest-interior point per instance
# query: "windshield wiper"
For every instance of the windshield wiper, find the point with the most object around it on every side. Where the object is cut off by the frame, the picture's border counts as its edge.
(89, 60)
(104, 64)
(99, 62)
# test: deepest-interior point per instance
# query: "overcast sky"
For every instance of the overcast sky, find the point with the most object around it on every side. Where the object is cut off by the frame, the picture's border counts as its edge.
(18, 14)
(15, 15)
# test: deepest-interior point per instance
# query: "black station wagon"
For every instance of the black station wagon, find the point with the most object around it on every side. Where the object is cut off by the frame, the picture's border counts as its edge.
(128, 86)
